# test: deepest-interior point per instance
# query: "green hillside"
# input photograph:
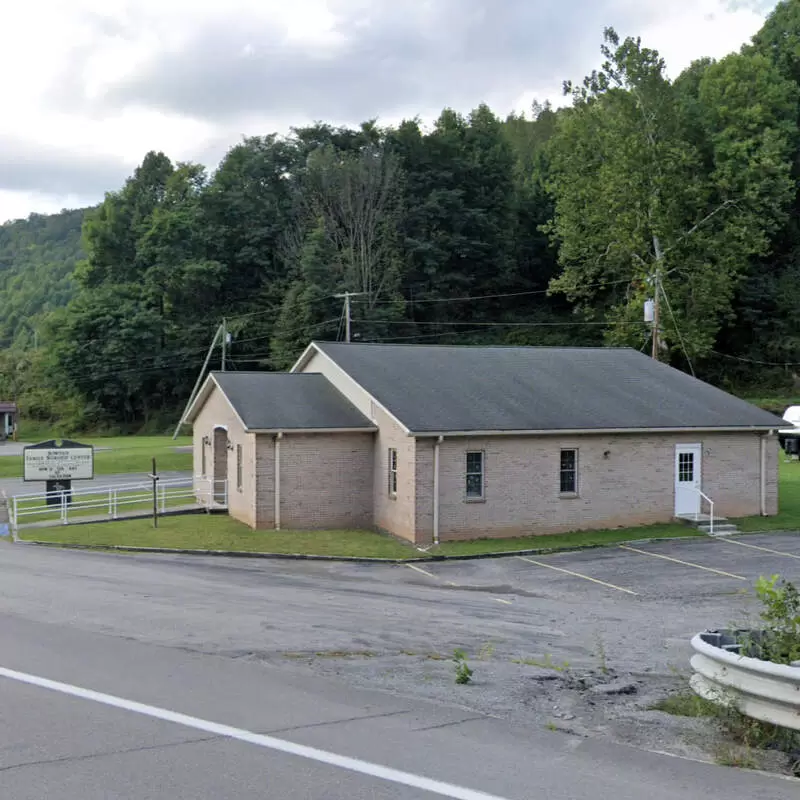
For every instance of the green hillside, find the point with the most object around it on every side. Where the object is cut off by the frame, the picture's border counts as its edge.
(37, 256)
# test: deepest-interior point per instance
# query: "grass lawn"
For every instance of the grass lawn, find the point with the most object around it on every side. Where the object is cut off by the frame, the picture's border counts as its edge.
(220, 532)
(560, 541)
(788, 517)
(127, 454)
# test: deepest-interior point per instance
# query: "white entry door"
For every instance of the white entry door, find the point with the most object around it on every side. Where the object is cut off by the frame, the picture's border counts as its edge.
(687, 479)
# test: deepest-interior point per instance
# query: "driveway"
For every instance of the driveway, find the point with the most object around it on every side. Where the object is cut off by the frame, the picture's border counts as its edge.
(352, 660)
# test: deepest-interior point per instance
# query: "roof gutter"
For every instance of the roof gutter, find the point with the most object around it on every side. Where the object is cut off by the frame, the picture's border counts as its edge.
(591, 431)
(273, 431)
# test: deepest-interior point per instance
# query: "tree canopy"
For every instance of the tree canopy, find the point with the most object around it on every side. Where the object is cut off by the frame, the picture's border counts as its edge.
(551, 227)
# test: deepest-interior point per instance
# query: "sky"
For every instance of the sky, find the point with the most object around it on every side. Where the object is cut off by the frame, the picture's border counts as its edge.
(90, 86)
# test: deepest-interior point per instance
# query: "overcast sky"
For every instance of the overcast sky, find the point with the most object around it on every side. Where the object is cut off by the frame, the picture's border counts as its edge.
(89, 86)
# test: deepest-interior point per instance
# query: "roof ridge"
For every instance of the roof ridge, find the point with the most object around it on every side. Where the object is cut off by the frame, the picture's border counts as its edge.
(472, 346)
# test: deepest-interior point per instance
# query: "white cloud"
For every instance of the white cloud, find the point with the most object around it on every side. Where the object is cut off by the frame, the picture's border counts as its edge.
(92, 85)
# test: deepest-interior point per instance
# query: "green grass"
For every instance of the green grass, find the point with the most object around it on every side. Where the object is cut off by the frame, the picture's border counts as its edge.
(687, 704)
(558, 541)
(788, 517)
(220, 532)
(127, 454)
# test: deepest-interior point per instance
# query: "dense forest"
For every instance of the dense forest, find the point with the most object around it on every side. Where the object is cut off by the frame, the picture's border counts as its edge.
(548, 228)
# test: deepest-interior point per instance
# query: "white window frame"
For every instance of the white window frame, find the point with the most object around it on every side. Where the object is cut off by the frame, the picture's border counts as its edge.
(203, 463)
(474, 498)
(239, 468)
(392, 472)
(576, 471)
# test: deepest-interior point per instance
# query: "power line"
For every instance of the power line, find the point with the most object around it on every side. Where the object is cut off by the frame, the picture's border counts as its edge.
(467, 298)
(756, 361)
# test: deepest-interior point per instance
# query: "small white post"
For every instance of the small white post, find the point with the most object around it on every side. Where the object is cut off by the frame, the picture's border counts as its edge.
(711, 523)
(63, 507)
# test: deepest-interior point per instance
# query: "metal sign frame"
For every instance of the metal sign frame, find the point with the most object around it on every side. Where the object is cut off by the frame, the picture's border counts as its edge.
(58, 460)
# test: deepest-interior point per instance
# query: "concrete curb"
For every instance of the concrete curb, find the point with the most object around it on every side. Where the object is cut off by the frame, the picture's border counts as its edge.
(346, 559)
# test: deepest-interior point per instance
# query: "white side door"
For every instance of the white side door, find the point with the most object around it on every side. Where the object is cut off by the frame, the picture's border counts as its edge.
(688, 479)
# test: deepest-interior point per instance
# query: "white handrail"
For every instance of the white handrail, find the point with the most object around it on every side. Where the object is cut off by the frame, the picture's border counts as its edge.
(711, 509)
(108, 501)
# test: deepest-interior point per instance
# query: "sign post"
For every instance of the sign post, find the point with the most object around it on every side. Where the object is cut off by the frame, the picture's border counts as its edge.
(57, 464)
(154, 476)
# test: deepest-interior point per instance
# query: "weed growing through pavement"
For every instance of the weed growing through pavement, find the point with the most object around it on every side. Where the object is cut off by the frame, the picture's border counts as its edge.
(463, 670)
(486, 652)
(545, 663)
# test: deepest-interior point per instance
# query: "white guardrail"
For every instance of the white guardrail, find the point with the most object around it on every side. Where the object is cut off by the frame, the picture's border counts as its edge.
(113, 502)
(759, 689)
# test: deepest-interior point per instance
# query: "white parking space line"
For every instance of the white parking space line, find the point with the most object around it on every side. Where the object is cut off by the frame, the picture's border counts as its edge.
(269, 742)
(759, 547)
(577, 575)
(685, 563)
(423, 571)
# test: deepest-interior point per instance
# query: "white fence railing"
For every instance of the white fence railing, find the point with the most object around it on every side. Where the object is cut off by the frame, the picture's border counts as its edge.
(111, 502)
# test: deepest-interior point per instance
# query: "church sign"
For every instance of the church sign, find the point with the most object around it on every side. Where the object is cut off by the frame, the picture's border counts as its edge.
(63, 462)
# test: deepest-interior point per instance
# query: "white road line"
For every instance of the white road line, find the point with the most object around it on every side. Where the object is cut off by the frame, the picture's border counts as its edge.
(268, 742)
(507, 602)
(576, 575)
(685, 563)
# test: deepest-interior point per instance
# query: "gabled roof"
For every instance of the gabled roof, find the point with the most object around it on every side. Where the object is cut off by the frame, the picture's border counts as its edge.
(463, 389)
(7, 407)
(282, 401)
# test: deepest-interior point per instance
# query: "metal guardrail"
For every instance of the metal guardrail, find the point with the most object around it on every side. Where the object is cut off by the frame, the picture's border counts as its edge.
(759, 689)
(113, 501)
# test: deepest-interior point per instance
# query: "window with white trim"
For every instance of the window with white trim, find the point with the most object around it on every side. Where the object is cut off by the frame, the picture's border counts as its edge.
(239, 481)
(392, 472)
(203, 457)
(568, 474)
(474, 475)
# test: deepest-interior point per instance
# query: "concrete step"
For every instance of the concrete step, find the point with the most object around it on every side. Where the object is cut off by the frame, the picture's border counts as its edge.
(723, 529)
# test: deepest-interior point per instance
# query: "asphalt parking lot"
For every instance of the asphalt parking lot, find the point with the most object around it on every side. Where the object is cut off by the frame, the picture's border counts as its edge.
(583, 641)
(677, 569)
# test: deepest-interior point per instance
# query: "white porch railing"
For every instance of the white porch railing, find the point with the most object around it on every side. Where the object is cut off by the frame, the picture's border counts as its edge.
(710, 510)
(113, 502)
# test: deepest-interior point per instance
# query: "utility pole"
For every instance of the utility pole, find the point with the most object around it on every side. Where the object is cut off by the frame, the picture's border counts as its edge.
(657, 292)
(347, 296)
(224, 342)
(199, 380)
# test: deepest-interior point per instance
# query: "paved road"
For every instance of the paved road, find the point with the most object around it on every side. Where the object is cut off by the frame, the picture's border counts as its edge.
(176, 634)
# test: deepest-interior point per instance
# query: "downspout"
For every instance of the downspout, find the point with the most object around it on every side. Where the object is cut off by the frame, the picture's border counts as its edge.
(763, 473)
(278, 438)
(436, 489)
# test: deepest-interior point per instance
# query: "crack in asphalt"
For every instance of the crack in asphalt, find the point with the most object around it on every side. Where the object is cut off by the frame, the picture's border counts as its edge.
(103, 754)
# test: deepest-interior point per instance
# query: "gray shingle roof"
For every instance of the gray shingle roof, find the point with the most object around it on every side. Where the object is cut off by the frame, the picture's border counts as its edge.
(287, 401)
(460, 388)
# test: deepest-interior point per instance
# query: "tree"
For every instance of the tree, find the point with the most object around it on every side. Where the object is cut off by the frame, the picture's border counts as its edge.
(634, 207)
(309, 308)
(355, 197)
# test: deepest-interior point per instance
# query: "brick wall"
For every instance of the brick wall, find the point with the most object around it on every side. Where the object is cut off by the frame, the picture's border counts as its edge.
(394, 514)
(632, 485)
(325, 481)
(217, 412)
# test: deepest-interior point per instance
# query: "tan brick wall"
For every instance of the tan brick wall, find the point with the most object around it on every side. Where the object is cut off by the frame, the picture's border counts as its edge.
(265, 481)
(325, 481)
(634, 485)
(394, 514)
(773, 456)
(217, 412)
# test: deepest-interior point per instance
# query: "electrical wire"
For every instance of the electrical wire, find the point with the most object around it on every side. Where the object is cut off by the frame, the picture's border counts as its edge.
(677, 329)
